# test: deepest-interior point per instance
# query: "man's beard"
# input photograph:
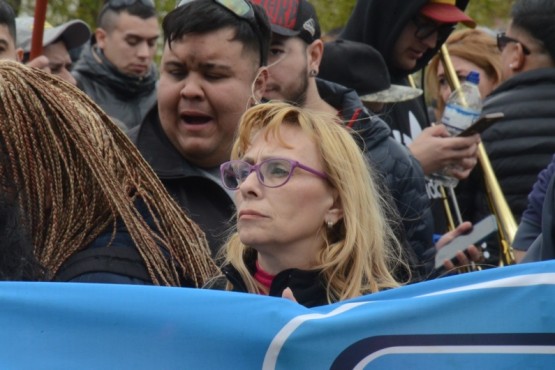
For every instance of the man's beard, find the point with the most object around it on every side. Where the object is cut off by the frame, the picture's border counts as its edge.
(298, 95)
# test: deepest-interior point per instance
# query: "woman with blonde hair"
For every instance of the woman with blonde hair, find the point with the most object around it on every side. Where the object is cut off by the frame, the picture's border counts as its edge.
(93, 208)
(309, 215)
(470, 50)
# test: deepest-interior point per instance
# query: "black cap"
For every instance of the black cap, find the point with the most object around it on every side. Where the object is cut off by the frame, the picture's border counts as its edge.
(292, 18)
(362, 68)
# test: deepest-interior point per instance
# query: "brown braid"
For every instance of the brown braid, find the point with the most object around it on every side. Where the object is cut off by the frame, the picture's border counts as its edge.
(77, 173)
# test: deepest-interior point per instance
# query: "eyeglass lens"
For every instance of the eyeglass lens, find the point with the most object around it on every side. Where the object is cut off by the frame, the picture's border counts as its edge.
(270, 173)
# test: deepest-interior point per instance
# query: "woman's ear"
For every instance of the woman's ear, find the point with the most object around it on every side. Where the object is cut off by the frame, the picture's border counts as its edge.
(335, 212)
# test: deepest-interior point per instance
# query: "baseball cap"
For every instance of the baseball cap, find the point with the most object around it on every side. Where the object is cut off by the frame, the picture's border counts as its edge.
(446, 11)
(73, 33)
(361, 67)
(292, 18)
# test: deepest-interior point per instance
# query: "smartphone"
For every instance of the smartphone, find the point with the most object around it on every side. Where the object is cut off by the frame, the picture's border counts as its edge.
(478, 234)
(482, 123)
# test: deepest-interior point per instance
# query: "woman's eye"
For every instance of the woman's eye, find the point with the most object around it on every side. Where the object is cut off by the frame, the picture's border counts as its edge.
(277, 170)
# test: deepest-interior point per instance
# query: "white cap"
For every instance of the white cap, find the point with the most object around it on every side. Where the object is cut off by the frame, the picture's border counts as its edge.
(73, 33)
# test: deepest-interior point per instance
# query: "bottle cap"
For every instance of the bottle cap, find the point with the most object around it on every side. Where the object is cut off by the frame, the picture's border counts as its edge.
(473, 77)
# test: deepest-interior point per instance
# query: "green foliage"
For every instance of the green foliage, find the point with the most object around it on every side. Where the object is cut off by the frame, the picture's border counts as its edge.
(60, 11)
(333, 14)
(489, 13)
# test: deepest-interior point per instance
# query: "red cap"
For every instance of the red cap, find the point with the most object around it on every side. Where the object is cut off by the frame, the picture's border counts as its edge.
(445, 11)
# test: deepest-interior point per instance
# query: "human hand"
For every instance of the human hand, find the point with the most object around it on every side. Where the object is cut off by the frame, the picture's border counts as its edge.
(40, 62)
(463, 259)
(435, 149)
(288, 294)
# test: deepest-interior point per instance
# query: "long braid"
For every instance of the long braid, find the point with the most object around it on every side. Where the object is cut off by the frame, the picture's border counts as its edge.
(78, 174)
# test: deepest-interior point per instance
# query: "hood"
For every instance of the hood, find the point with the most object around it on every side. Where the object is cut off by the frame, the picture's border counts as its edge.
(94, 65)
(372, 130)
(379, 23)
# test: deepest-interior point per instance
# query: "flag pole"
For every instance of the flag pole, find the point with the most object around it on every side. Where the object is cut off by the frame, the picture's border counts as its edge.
(38, 28)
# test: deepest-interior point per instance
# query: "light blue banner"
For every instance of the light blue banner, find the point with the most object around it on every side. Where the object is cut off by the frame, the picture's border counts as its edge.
(498, 319)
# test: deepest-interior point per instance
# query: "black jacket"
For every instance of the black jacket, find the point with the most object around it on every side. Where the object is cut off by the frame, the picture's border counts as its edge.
(204, 200)
(126, 98)
(521, 144)
(113, 258)
(307, 286)
(399, 173)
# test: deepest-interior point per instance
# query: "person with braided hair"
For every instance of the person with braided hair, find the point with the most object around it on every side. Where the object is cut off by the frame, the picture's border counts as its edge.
(93, 208)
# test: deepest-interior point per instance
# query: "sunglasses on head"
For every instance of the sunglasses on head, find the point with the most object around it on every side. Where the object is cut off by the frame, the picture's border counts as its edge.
(116, 4)
(503, 40)
(243, 10)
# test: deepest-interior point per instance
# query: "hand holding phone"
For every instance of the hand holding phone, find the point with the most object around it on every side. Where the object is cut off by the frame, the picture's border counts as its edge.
(478, 234)
(482, 123)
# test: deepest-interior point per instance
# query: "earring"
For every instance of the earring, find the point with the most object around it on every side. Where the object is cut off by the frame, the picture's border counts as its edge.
(313, 73)
(330, 224)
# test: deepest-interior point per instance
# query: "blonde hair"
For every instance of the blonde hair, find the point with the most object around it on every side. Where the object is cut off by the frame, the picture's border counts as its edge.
(76, 174)
(360, 251)
(473, 45)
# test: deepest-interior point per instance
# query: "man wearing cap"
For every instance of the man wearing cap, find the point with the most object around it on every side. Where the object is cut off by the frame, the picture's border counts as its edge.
(408, 33)
(56, 43)
(293, 64)
(116, 69)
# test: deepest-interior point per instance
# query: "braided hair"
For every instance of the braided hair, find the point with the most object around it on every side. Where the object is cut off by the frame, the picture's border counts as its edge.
(77, 174)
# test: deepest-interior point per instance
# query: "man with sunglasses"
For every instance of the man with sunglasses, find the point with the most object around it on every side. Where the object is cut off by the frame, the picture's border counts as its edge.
(212, 70)
(523, 142)
(408, 33)
(116, 70)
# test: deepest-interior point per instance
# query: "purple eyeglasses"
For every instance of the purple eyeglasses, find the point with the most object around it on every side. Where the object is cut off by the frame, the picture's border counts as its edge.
(272, 173)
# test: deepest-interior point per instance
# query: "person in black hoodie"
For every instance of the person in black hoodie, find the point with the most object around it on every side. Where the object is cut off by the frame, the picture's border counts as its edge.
(295, 55)
(408, 33)
(116, 69)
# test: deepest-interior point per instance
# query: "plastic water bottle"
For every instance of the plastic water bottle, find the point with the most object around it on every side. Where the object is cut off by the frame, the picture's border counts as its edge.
(463, 106)
(461, 110)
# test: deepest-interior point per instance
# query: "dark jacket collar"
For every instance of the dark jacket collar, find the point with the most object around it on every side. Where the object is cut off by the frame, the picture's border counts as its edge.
(307, 285)
(93, 63)
(157, 149)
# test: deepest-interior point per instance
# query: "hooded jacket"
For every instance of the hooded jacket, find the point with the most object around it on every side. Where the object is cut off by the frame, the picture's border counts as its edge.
(399, 173)
(126, 98)
(379, 23)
